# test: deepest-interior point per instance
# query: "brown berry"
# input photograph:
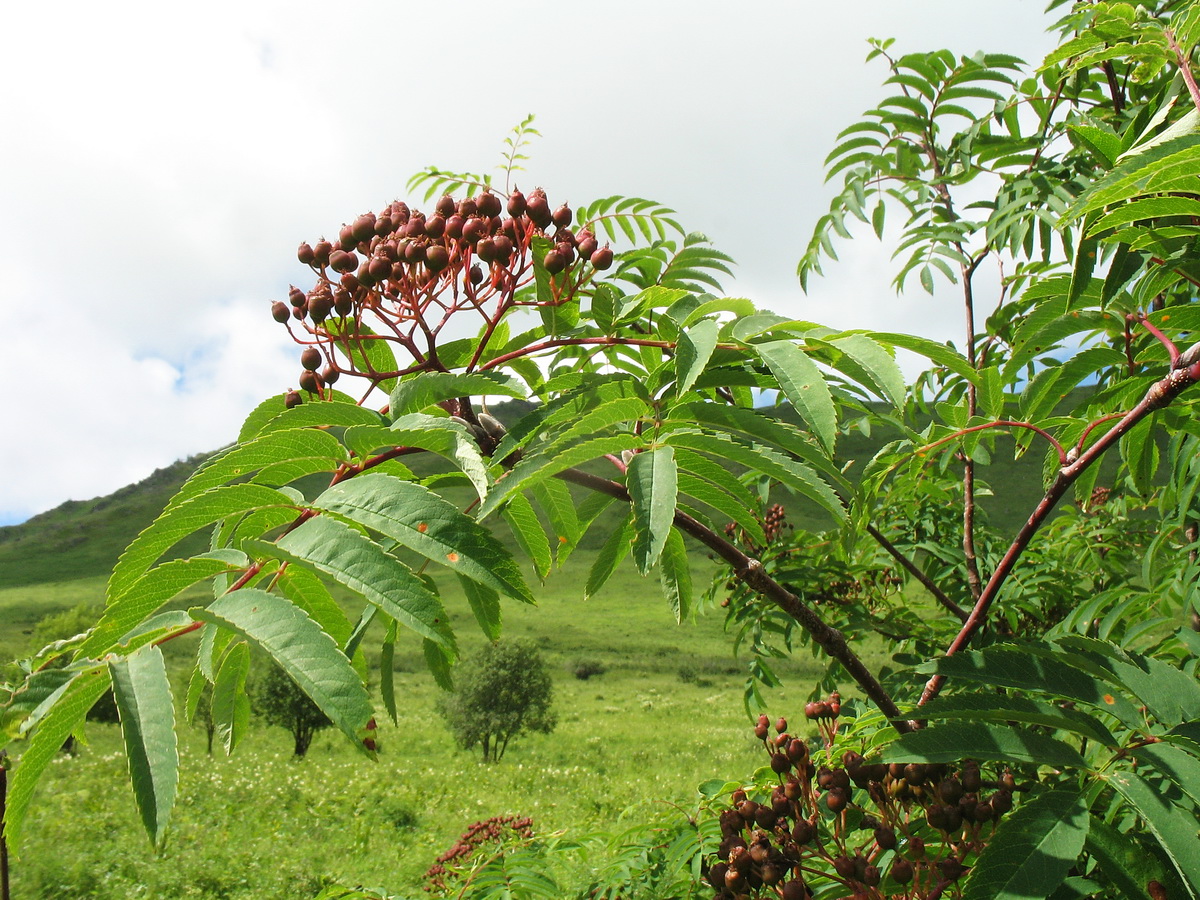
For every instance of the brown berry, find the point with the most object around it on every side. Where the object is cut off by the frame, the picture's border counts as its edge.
(306, 254)
(363, 228)
(329, 374)
(516, 204)
(562, 216)
(292, 399)
(445, 206)
(902, 870)
(554, 262)
(311, 358)
(310, 381)
(280, 312)
(437, 258)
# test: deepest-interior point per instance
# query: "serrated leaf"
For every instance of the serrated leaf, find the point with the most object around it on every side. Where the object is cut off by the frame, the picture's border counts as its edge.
(979, 740)
(653, 487)
(676, 575)
(485, 604)
(540, 467)
(1172, 826)
(151, 591)
(1007, 708)
(554, 497)
(230, 706)
(445, 437)
(1032, 849)
(268, 450)
(387, 672)
(1124, 860)
(941, 354)
(321, 414)
(874, 367)
(178, 522)
(609, 556)
(429, 388)
(527, 529)
(710, 494)
(419, 519)
(439, 664)
(694, 350)
(147, 713)
(310, 656)
(804, 385)
(791, 473)
(59, 723)
(362, 565)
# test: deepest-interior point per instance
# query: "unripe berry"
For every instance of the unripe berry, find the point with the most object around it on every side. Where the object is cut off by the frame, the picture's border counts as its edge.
(346, 239)
(364, 227)
(780, 725)
(321, 253)
(489, 204)
(516, 204)
(437, 258)
(602, 259)
(562, 216)
(554, 262)
(306, 254)
(435, 227)
(445, 206)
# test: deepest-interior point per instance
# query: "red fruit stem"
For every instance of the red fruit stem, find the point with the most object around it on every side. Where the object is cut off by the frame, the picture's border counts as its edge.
(1172, 350)
(1185, 67)
(999, 423)
(1160, 394)
(750, 571)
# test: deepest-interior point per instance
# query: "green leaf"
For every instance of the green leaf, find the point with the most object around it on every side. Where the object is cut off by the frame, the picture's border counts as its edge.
(322, 414)
(614, 549)
(1124, 860)
(1032, 849)
(527, 529)
(941, 354)
(947, 743)
(437, 434)
(387, 671)
(708, 493)
(439, 664)
(177, 522)
(147, 712)
(429, 388)
(151, 591)
(804, 385)
(694, 350)
(304, 588)
(873, 367)
(1007, 708)
(676, 575)
(795, 475)
(362, 565)
(422, 521)
(1172, 826)
(230, 706)
(268, 450)
(1181, 768)
(652, 480)
(1017, 666)
(554, 497)
(485, 604)
(59, 723)
(301, 648)
(539, 467)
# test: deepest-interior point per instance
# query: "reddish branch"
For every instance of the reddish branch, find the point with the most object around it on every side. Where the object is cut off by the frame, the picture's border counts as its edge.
(1160, 394)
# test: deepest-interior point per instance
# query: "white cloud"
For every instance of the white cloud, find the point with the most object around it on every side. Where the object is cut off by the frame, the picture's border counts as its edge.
(161, 162)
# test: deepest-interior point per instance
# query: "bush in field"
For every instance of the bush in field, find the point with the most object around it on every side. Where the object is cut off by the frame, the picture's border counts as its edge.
(280, 701)
(503, 691)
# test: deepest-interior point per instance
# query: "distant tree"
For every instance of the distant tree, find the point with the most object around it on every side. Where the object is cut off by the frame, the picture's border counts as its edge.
(279, 701)
(503, 692)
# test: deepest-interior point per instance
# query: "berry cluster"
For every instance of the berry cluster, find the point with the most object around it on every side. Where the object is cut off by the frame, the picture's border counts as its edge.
(493, 831)
(403, 273)
(774, 525)
(879, 830)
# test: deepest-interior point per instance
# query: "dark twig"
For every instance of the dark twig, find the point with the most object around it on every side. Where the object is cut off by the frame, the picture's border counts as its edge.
(930, 585)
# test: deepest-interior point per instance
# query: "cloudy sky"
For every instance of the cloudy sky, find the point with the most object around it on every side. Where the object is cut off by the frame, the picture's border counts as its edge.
(161, 162)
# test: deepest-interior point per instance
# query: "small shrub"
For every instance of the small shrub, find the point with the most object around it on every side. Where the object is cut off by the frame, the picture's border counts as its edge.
(584, 669)
(504, 691)
(280, 701)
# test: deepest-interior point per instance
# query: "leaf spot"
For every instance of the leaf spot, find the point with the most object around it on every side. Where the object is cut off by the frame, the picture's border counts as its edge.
(1108, 698)
(423, 527)
(453, 557)
(561, 539)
